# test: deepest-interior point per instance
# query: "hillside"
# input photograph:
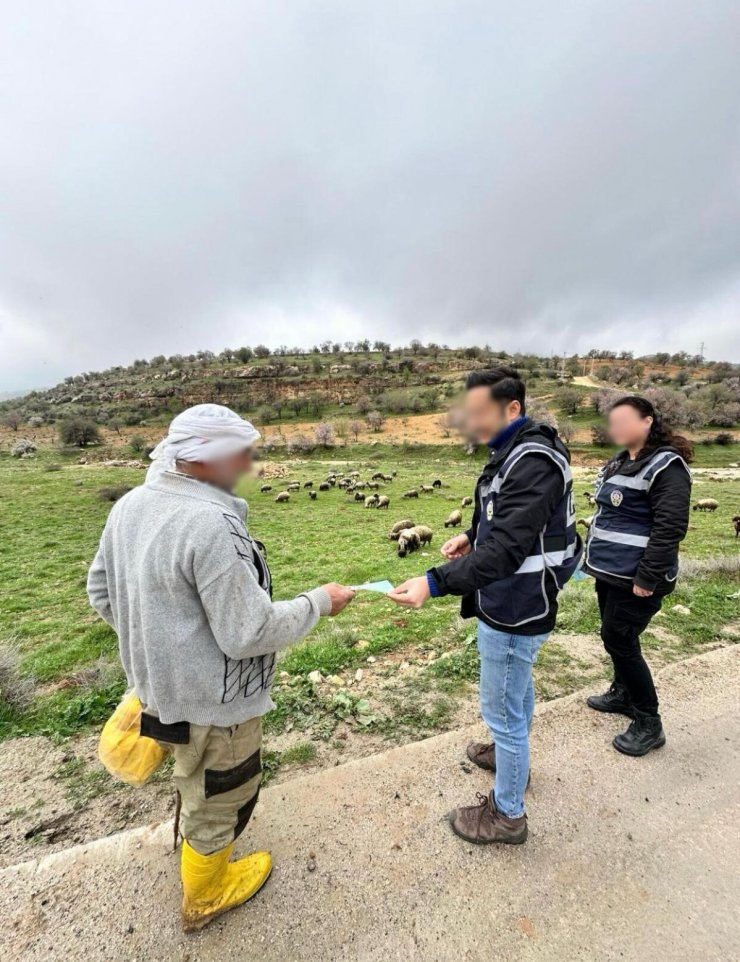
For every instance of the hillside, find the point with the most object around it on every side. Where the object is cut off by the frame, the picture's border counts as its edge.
(364, 392)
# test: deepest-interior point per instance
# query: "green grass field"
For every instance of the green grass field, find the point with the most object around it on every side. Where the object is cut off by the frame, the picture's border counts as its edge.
(50, 522)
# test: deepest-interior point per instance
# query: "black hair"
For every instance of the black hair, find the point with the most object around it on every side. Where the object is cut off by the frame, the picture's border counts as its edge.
(660, 433)
(504, 383)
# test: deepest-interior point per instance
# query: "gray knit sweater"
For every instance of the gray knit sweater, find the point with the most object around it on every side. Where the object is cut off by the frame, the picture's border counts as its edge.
(188, 593)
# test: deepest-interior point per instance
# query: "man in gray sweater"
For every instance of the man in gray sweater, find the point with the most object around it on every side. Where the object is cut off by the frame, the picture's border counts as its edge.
(189, 594)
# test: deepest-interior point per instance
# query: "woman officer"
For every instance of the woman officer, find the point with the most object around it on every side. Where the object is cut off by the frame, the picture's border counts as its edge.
(642, 498)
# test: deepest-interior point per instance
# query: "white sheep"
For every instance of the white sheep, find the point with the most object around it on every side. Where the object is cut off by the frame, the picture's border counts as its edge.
(706, 504)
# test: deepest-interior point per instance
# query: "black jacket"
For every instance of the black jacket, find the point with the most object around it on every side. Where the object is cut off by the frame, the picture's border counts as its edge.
(527, 500)
(670, 501)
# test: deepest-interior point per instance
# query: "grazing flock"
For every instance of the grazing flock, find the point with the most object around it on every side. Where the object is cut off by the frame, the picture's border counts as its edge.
(408, 535)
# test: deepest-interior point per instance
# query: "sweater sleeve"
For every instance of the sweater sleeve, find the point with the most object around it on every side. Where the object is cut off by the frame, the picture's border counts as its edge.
(97, 587)
(245, 621)
(670, 499)
(525, 503)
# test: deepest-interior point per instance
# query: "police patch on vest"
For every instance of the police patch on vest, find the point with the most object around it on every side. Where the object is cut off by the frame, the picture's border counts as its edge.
(616, 498)
(489, 510)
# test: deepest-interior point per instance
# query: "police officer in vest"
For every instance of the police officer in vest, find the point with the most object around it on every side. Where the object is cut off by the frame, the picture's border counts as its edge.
(520, 550)
(642, 496)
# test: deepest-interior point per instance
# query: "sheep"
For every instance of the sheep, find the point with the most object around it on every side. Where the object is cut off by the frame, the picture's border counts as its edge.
(359, 496)
(324, 486)
(360, 485)
(413, 493)
(378, 476)
(344, 483)
(408, 541)
(586, 522)
(736, 522)
(590, 498)
(312, 495)
(425, 534)
(373, 485)
(436, 483)
(454, 519)
(371, 500)
(466, 502)
(388, 477)
(282, 497)
(308, 484)
(265, 488)
(294, 486)
(383, 502)
(706, 504)
(354, 474)
(400, 526)
(427, 489)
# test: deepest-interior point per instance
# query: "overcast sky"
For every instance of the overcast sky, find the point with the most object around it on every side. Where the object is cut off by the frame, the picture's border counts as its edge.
(546, 176)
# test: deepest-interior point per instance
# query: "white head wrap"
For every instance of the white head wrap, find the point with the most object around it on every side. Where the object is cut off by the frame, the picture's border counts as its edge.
(205, 432)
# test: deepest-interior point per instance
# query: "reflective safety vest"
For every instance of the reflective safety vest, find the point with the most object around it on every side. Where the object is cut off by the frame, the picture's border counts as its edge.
(621, 527)
(523, 596)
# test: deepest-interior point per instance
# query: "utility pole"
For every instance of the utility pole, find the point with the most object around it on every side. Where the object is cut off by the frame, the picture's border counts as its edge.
(701, 351)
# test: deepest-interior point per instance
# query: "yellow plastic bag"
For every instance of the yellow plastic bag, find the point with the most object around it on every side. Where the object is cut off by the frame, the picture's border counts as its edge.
(126, 753)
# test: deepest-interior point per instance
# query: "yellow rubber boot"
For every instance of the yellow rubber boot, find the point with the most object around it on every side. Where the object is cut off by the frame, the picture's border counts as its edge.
(212, 884)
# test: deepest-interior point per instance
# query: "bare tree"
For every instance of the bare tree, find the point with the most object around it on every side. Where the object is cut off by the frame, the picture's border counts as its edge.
(325, 435)
(356, 429)
(11, 419)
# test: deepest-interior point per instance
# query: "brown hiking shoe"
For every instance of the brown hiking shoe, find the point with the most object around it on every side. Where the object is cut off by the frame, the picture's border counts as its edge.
(483, 824)
(483, 755)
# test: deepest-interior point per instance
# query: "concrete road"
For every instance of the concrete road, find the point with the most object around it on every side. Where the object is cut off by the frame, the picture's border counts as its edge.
(628, 859)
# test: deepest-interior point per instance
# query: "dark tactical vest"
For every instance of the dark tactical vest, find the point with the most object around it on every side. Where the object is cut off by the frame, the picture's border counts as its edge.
(523, 597)
(621, 526)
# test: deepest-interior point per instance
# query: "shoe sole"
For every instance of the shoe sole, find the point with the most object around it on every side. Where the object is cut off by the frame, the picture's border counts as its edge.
(489, 841)
(610, 711)
(197, 925)
(625, 751)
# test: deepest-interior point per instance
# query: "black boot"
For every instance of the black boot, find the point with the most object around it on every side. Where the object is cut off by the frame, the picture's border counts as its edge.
(615, 700)
(644, 734)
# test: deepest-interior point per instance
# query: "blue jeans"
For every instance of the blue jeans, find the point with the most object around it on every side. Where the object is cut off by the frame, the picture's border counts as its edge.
(507, 707)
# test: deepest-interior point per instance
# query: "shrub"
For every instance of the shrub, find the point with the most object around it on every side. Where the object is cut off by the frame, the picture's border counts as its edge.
(113, 492)
(79, 432)
(138, 443)
(22, 448)
(300, 444)
(724, 438)
(375, 420)
(600, 436)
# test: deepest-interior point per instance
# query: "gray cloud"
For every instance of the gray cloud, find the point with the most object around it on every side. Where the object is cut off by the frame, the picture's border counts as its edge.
(538, 176)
